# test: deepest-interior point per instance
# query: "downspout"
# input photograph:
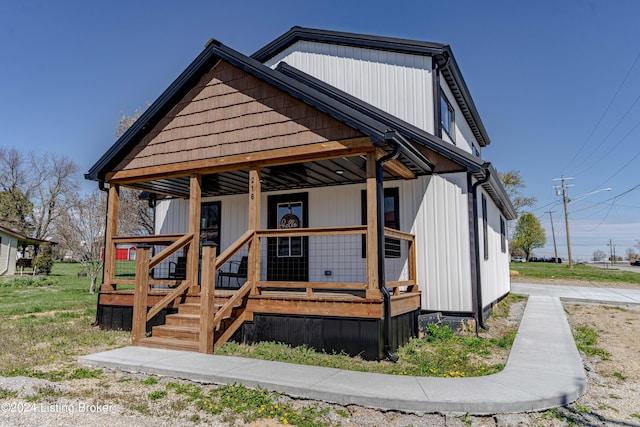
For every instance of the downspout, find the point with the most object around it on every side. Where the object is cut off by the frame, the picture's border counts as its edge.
(381, 271)
(478, 293)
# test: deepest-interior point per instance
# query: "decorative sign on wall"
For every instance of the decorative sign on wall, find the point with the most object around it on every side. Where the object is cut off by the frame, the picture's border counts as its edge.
(289, 220)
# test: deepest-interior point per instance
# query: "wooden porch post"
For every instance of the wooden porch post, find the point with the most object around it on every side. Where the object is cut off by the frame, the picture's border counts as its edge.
(207, 298)
(372, 229)
(139, 323)
(255, 188)
(111, 231)
(195, 196)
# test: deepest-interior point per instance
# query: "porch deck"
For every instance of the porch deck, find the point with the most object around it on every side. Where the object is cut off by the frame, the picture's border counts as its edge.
(176, 314)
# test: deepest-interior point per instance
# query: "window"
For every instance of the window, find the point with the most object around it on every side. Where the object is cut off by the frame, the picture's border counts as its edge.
(447, 117)
(391, 220)
(290, 216)
(210, 223)
(485, 227)
(503, 236)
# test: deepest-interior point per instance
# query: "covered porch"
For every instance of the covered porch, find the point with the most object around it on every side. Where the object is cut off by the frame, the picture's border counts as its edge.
(231, 129)
(261, 286)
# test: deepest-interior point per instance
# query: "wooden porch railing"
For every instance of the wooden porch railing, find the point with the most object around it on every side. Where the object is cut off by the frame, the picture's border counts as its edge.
(144, 264)
(411, 282)
(211, 320)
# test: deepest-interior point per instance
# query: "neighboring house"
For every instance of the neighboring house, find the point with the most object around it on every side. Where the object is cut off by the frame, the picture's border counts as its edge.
(10, 241)
(342, 175)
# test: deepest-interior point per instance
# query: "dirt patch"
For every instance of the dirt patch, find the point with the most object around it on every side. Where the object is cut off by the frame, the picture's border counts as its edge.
(612, 397)
(613, 391)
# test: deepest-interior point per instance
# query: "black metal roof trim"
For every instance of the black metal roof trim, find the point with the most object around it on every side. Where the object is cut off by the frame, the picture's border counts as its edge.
(473, 163)
(408, 130)
(496, 190)
(349, 39)
(212, 53)
(453, 77)
(441, 52)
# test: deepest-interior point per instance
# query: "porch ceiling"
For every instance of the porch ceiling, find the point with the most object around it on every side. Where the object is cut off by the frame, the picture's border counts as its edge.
(339, 171)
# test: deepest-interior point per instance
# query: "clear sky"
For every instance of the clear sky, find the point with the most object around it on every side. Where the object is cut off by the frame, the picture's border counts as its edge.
(555, 82)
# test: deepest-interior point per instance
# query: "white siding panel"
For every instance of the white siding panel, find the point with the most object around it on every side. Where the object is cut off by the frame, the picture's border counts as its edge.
(433, 208)
(398, 83)
(8, 249)
(463, 134)
(494, 270)
(438, 216)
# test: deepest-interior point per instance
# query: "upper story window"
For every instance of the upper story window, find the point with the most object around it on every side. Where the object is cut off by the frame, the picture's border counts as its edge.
(447, 117)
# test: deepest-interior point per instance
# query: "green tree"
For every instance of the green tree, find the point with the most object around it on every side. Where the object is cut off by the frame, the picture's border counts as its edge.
(529, 234)
(513, 185)
(43, 263)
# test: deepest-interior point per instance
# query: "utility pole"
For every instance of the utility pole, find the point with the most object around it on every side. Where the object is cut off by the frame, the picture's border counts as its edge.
(565, 199)
(612, 251)
(553, 233)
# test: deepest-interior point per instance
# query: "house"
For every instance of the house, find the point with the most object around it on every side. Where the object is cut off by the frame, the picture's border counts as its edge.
(12, 261)
(334, 187)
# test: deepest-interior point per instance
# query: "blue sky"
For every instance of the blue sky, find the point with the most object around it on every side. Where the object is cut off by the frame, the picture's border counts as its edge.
(555, 82)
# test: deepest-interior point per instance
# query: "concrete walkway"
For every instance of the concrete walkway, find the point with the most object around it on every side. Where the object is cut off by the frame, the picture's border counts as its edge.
(544, 368)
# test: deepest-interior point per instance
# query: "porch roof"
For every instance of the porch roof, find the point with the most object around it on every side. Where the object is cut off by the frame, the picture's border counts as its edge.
(421, 153)
(24, 240)
(379, 134)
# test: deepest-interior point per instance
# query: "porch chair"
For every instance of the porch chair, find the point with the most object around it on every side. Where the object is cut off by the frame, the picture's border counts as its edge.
(241, 270)
(178, 270)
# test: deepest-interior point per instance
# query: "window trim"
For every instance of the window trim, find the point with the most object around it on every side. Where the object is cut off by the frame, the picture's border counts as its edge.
(219, 222)
(389, 243)
(503, 235)
(449, 129)
(485, 227)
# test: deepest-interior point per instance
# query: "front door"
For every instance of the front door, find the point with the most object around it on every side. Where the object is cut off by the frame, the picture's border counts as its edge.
(288, 257)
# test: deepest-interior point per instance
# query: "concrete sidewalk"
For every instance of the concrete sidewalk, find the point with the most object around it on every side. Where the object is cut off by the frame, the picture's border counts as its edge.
(580, 294)
(544, 370)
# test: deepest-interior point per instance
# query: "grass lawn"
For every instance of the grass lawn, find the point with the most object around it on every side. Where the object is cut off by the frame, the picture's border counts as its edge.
(579, 272)
(45, 321)
(61, 290)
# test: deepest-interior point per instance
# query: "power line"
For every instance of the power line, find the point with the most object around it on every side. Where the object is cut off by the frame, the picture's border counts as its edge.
(604, 112)
(611, 149)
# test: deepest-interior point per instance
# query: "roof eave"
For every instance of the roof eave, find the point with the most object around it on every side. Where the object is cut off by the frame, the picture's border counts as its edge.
(348, 39)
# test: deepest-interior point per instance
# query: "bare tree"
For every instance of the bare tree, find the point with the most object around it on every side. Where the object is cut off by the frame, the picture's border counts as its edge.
(34, 190)
(599, 255)
(135, 215)
(80, 231)
(57, 185)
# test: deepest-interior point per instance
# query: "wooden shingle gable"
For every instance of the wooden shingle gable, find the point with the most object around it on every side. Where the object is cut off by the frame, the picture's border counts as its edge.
(231, 112)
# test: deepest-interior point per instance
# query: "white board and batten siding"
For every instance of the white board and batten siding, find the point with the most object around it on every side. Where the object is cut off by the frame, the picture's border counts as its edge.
(464, 137)
(8, 250)
(432, 208)
(494, 267)
(398, 83)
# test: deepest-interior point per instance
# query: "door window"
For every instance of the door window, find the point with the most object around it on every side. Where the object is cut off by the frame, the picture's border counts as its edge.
(290, 216)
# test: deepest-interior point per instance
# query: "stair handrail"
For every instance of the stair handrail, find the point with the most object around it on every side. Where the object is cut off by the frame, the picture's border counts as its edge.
(143, 265)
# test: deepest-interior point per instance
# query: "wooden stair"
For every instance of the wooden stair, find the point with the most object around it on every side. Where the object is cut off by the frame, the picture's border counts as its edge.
(182, 329)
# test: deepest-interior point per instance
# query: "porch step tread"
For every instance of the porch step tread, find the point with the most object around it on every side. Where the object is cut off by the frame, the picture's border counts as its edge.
(169, 343)
(180, 332)
(183, 319)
